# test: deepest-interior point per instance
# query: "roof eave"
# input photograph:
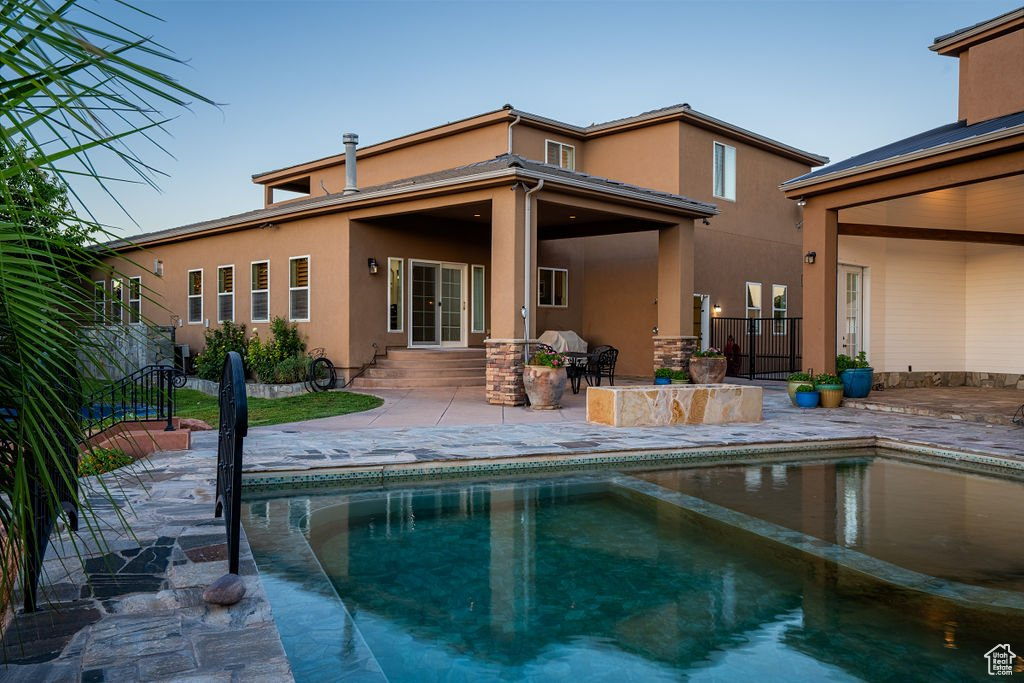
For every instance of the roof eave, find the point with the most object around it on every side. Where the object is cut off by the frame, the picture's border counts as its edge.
(954, 43)
(994, 136)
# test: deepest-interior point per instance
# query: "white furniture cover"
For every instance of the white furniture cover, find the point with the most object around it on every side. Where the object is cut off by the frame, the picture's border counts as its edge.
(563, 341)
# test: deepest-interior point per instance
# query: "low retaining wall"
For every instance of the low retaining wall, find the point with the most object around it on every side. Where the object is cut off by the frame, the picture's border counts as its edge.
(916, 380)
(139, 439)
(252, 389)
(669, 404)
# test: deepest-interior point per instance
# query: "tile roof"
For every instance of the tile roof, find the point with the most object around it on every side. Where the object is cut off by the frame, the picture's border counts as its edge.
(490, 167)
(935, 139)
(965, 29)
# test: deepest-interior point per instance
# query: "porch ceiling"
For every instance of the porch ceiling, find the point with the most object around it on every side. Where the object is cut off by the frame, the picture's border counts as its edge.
(560, 221)
(988, 211)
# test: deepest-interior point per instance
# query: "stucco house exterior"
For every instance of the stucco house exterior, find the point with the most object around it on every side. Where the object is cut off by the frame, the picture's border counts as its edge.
(484, 232)
(919, 244)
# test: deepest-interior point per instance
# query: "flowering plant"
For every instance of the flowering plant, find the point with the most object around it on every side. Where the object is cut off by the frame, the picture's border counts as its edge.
(710, 352)
(549, 360)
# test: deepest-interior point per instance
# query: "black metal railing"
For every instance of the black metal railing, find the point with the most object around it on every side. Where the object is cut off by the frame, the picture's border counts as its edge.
(234, 425)
(768, 348)
(146, 395)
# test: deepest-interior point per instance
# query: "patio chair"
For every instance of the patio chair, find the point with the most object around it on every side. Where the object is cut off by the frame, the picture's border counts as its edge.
(602, 364)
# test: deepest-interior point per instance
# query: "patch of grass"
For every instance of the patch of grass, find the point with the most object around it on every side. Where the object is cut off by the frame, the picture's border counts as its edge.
(272, 411)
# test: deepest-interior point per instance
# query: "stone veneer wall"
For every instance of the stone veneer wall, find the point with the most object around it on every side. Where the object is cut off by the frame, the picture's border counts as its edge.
(674, 352)
(917, 380)
(504, 380)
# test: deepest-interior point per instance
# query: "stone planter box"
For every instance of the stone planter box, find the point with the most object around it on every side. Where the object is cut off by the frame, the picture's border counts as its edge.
(645, 406)
(252, 389)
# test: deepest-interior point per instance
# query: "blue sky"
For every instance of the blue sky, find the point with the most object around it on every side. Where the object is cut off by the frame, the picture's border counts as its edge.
(835, 78)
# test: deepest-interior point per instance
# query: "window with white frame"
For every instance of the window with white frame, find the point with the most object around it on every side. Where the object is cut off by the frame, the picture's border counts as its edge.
(479, 298)
(725, 171)
(135, 299)
(298, 289)
(195, 297)
(260, 292)
(116, 301)
(560, 154)
(225, 294)
(99, 299)
(780, 308)
(754, 304)
(553, 287)
(396, 284)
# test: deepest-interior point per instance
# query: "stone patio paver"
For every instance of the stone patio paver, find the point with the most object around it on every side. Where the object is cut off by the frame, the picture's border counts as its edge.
(133, 610)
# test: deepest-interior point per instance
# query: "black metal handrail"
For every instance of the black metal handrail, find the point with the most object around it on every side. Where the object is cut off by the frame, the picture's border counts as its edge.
(146, 395)
(234, 425)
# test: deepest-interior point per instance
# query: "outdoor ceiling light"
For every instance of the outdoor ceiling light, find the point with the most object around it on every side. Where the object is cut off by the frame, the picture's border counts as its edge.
(801, 202)
(810, 256)
(372, 263)
(718, 308)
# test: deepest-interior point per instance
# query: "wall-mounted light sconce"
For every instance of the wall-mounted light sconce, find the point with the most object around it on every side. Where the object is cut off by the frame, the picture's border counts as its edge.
(810, 256)
(718, 308)
(705, 221)
(372, 263)
(801, 202)
(158, 267)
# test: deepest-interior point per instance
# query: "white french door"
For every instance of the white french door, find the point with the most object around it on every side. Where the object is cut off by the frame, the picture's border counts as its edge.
(850, 310)
(437, 304)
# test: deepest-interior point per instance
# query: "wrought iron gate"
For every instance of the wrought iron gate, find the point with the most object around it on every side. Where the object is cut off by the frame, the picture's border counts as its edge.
(768, 348)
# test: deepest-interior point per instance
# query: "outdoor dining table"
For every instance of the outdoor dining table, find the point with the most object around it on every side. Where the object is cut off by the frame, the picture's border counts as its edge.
(576, 363)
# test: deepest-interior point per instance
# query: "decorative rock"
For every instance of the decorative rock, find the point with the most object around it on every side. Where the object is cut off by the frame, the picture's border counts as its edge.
(194, 424)
(227, 590)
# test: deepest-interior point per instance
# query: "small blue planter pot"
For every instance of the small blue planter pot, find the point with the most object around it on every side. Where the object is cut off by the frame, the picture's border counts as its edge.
(857, 382)
(663, 380)
(807, 399)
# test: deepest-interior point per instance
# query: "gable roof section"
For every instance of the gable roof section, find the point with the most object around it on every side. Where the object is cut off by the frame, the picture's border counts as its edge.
(928, 143)
(676, 111)
(505, 166)
(956, 41)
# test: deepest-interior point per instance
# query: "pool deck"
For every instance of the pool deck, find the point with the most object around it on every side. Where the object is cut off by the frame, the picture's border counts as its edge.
(138, 614)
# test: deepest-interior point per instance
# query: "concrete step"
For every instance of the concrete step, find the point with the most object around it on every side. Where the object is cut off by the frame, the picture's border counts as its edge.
(365, 382)
(380, 372)
(436, 354)
(439, 363)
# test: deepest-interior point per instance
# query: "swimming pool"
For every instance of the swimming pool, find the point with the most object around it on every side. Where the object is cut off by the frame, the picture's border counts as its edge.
(851, 567)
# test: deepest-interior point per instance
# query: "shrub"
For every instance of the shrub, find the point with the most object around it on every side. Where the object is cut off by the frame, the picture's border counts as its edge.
(664, 372)
(228, 337)
(799, 377)
(266, 356)
(261, 360)
(710, 352)
(294, 369)
(679, 375)
(804, 387)
(287, 339)
(844, 362)
(102, 460)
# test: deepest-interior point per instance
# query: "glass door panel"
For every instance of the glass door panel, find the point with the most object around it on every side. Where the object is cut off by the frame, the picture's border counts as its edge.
(424, 304)
(451, 304)
(850, 311)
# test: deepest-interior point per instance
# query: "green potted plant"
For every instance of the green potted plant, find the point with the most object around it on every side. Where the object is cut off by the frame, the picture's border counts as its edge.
(831, 389)
(680, 377)
(663, 375)
(856, 374)
(795, 380)
(544, 380)
(707, 366)
(806, 396)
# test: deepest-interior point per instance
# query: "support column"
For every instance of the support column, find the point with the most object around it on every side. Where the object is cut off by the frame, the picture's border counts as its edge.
(674, 342)
(504, 374)
(821, 235)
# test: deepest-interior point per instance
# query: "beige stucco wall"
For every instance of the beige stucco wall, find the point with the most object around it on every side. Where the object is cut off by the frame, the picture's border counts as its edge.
(985, 71)
(648, 157)
(940, 306)
(529, 142)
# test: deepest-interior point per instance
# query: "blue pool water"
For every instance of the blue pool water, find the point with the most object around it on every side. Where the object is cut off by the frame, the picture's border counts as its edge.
(856, 569)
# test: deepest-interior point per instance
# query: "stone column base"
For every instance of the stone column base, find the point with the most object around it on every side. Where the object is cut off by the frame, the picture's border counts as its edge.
(674, 352)
(505, 372)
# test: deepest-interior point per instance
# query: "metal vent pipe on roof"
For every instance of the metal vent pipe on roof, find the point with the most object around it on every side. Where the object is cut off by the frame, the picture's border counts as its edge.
(350, 140)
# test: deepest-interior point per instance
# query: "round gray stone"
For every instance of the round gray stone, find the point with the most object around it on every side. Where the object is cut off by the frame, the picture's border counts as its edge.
(227, 590)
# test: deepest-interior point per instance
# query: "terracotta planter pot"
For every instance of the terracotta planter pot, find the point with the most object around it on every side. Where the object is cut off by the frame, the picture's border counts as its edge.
(831, 394)
(707, 370)
(544, 386)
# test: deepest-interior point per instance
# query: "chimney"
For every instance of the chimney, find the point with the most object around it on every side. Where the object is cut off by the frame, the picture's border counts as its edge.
(351, 140)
